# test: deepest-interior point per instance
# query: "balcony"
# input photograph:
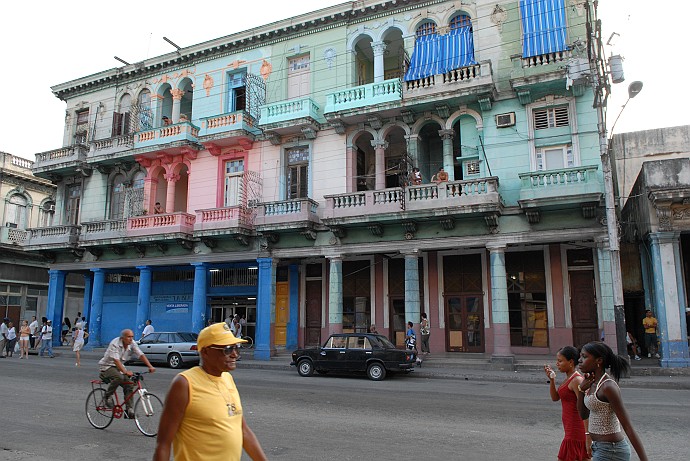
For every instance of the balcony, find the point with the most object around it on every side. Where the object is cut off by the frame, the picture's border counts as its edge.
(51, 238)
(58, 161)
(171, 138)
(233, 221)
(533, 78)
(462, 85)
(232, 128)
(288, 215)
(12, 236)
(287, 117)
(169, 226)
(111, 149)
(348, 101)
(425, 202)
(103, 232)
(579, 187)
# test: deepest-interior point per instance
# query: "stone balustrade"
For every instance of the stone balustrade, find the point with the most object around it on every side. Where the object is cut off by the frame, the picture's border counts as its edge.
(364, 95)
(177, 222)
(290, 110)
(21, 162)
(465, 77)
(284, 213)
(545, 59)
(183, 131)
(53, 237)
(578, 181)
(12, 236)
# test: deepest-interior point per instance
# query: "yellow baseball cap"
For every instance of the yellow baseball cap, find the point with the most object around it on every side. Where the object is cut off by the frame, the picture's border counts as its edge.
(218, 334)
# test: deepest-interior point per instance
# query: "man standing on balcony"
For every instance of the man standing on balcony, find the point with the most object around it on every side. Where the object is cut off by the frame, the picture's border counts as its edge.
(158, 209)
(440, 177)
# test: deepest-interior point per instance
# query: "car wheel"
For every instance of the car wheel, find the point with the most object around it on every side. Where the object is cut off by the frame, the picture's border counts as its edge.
(376, 371)
(175, 360)
(305, 367)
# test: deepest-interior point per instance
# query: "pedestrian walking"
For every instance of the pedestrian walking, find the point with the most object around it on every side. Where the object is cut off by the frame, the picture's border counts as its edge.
(33, 332)
(66, 327)
(203, 416)
(3, 337)
(78, 337)
(650, 338)
(11, 339)
(425, 333)
(47, 339)
(599, 400)
(410, 337)
(575, 445)
(24, 335)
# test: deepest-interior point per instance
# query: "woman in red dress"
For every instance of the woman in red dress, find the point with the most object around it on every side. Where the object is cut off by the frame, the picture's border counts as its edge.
(576, 445)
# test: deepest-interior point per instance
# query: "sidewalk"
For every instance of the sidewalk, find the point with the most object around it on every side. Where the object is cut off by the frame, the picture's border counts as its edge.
(646, 373)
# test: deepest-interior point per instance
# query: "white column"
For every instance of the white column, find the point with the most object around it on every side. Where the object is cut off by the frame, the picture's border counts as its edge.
(379, 51)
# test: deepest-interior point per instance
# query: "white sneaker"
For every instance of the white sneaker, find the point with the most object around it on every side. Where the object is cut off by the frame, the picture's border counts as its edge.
(657, 356)
(637, 357)
(649, 355)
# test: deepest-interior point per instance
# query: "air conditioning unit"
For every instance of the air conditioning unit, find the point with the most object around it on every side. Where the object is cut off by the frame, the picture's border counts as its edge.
(505, 120)
(11, 225)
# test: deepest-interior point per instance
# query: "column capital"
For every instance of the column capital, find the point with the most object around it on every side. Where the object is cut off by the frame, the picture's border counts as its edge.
(55, 271)
(143, 268)
(199, 265)
(496, 247)
(379, 144)
(266, 262)
(378, 47)
(411, 252)
(446, 134)
(177, 93)
(97, 270)
(333, 258)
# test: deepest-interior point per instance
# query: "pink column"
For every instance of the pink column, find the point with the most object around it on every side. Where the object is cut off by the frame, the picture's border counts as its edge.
(351, 169)
(380, 155)
(170, 193)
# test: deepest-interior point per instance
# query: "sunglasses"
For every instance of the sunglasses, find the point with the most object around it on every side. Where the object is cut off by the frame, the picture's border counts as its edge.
(227, 350)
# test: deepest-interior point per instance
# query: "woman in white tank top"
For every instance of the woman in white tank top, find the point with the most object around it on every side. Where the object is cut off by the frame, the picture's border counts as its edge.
(600, 400)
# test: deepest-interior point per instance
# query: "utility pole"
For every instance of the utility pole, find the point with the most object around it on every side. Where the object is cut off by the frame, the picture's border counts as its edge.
(601, 89)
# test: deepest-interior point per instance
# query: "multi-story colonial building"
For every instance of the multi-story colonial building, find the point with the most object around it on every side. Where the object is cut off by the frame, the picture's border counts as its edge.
(27, 202)
(653, 183)
(267, 173)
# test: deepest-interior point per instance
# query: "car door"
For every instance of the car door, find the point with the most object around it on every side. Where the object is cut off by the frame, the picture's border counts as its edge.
(333, 354)
(147, 346)
(358, 353)
(163, 346)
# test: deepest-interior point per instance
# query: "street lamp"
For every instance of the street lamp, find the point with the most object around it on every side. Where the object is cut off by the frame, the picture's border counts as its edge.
(612, 222)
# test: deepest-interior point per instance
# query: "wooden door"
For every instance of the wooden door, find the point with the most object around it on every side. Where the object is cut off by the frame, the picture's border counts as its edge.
(299, 77)
(313, 299)
(282, 312)
(398, 325)
(583, 305)
(464, 323)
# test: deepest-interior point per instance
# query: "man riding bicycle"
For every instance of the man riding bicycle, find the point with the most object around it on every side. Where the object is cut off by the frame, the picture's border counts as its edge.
(112, 367)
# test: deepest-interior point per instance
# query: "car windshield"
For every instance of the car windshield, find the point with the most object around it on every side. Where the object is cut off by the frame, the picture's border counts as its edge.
(385, 342)
(188, 337)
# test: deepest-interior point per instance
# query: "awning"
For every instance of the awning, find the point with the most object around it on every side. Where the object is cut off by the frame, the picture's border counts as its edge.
(438, 54)
(543, 27)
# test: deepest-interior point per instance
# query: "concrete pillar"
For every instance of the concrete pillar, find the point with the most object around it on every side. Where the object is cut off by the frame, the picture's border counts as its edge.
(606, 307)
(143, 300)
(335, 295)
(448, 160)
(170, 193)
(412, 302)
(199, 299)
(177, 98)
(351, 167)
(88, 286)
(96, 312)
(293, 321)
(264, 345)
(379, 69)
(380, 156)
(412, 146)
(668, 307)
(499, 303)
(56, 303)
(647, 284)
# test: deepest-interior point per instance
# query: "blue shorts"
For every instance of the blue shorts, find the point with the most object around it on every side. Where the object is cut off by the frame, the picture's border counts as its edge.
(611, 451)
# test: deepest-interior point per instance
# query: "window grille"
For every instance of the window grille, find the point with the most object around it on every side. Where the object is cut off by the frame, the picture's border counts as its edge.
(427, 28)
(552, 117)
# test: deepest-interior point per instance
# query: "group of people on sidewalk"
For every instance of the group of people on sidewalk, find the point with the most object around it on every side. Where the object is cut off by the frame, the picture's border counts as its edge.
(31, 336)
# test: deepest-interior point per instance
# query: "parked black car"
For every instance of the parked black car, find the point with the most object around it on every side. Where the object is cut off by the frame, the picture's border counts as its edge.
(347, 352)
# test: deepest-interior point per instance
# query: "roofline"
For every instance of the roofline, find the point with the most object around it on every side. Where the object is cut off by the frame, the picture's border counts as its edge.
(229, 44)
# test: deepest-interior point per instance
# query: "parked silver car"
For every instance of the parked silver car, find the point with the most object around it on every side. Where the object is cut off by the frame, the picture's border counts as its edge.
(174, 348)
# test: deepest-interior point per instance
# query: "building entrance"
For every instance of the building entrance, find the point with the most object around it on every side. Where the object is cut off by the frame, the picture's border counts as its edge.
(224, 308)
(464, 323)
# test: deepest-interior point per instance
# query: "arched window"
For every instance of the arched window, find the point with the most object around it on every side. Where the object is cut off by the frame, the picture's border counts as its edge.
(134, 199)
(16, 211)
(117, 197)
(460, 21)
(122, 119)
(143, 110)
(47, 214)
(426, 28)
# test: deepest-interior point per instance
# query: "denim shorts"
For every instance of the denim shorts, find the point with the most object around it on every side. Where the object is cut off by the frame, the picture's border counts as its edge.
(611, 451)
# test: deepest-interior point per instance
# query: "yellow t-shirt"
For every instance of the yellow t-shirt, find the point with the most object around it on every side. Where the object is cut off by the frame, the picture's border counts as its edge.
(649, 324)
(211, 429)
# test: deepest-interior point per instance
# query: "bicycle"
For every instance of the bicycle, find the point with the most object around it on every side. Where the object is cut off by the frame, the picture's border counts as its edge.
(147, 409)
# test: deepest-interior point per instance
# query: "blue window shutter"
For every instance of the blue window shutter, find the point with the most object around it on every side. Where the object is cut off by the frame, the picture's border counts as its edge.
(543, 27)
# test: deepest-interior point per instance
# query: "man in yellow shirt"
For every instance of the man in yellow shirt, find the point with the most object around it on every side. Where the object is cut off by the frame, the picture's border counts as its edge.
(650, 323)
(202, 416)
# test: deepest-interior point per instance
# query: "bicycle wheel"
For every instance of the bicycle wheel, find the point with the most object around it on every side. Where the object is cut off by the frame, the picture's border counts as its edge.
(97, 413)
(147, 414)
(250, 342)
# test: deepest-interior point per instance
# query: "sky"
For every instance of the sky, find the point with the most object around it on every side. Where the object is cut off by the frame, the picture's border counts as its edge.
(45, 43)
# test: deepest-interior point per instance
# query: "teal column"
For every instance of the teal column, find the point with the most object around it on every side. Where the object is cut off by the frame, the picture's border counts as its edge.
(293, 320)
(88, 285)
(499, 303)
(265, 309)
(412, 150)
(56, 303)
(335, 296)
(96, 311)
(199, 301)
(448, 160)
(412, 303)
(143, 300)
(667, 304)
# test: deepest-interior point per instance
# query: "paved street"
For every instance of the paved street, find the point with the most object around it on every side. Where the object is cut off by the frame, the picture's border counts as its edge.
(326, 417)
